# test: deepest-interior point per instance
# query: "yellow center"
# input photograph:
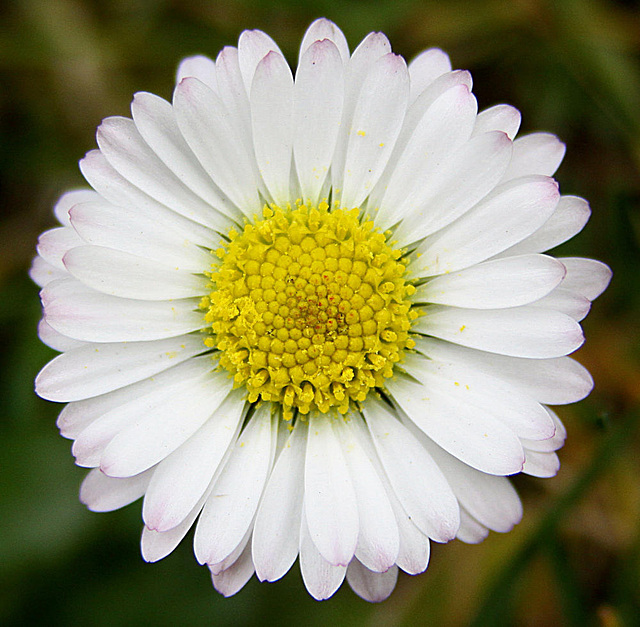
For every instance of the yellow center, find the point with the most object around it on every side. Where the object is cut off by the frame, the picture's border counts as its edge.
(308, 308)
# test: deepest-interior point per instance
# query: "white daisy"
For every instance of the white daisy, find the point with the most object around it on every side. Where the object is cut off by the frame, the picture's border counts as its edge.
(310, 314)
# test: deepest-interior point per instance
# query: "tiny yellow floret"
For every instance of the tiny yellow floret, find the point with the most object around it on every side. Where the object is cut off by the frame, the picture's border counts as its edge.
(309, 308)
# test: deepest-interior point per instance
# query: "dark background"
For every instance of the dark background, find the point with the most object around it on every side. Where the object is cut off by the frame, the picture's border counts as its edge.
(571, 67)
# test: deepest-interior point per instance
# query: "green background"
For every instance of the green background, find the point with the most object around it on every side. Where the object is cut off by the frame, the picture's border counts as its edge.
(571, 67)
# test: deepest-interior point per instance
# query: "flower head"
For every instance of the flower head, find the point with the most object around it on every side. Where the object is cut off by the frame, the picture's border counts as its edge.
(310, 314)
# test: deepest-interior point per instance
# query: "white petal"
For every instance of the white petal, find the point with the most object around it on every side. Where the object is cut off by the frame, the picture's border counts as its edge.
(425, 68)
(508, 215)
(471, 531)
(537, 153)
(253, 46)
(271, 100)
(569, 303)
(117, 190)
(492, 500)
(183, 477)
(161, 236)
(457, 185)
(324, 29)
(276, 534)
(233, 579)
(87, 315)
(160, 423)
(122, 145)
(104, 494)
(520, 412)
(552, 381)
(416, 479)
(42, 272)
(155, 120)
(320, 577)
(375, 125)
(526, 331)
(55, 340)
(467, 432)
(445, 126)
(232, 504)
(200, 67)
(330, 500)
(318, 101)
(378, 538)
(542, 465)
(55, 243)
(503, 118)
(587, 277)
(568, 219)
(371, 586)
(68, 200)
(205, 124)
(507, 282)
(95, 369)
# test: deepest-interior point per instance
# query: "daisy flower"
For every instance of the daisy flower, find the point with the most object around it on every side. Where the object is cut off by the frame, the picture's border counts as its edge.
(310, 314)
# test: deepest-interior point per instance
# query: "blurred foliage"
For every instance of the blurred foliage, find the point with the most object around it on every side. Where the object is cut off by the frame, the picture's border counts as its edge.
(571, 67)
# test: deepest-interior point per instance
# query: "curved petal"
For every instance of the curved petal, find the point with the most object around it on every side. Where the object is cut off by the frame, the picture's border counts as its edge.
(104, 494)
(371, 585)
(325, 30)
(537, 153)
(502, 117)
(425, 68)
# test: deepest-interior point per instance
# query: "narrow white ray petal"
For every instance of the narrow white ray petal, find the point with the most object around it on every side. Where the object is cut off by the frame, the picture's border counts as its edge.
(231, 559)
(490, 394)
(55, 340)
(93, 369)
(253, 46)
(371, 586)
(568, 219)
(200, 67)
(276, 535)
(502, 117)
(160, 423)
(271, 99)
(507, 282)
(317, 112)
(471, 531)
(526, 331)
(183, 477)
(508, 215)
(445, 126)
(232, 504)
(233, 579)
(70, 199)
(456, 186)
(550, 445)
(320, 577)
(537, 153)
(155, 546)
(569, 303)
(54, 244)
(370, 49)
(587, 277)
(104, 494)
(155, 120)
(491, 500)
(42, 272)
(425, 68)
(93, 317)
(417, 481)
(324, 29)
(543, 465)
(204, 123)
(551, 381)
(378, 538)
(330, 500)
(176, 242)
(473, 435)
(125, 275)
(123, 147)
(375, 125)
(129, 199)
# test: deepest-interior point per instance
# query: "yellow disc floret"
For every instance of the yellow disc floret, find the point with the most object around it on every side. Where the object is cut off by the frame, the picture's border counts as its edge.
(308, 308)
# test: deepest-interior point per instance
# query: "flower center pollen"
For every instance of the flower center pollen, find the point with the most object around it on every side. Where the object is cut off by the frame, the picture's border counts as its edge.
(308, 308)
